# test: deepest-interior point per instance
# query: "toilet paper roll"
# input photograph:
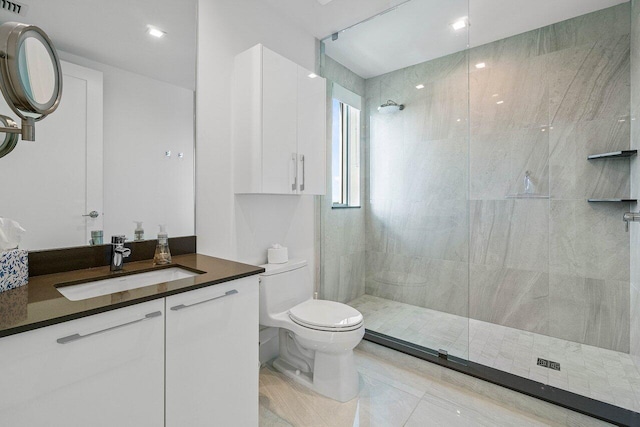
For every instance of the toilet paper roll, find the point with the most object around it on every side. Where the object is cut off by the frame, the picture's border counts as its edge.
(277, 254)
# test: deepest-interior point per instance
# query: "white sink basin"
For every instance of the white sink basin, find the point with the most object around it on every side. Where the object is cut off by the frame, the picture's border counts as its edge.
(123, 283)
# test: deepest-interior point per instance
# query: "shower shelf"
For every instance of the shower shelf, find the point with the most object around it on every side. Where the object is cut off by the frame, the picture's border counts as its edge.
(526, 196)
(612, 200)
(614, 155)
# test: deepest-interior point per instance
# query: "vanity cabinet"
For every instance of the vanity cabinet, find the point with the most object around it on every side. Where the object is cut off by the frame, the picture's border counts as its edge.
(189, 359)
(101, 370)
(279, 125)
(212, 363)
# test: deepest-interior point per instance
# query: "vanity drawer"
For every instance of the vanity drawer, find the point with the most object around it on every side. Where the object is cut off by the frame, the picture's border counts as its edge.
(100, 370)
(212, 356)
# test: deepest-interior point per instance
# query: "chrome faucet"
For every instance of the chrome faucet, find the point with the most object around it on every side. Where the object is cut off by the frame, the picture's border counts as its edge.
(118, 252)
(628, 217)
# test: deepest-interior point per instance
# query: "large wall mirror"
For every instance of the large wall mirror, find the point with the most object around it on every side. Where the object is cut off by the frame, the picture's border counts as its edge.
(120, 146)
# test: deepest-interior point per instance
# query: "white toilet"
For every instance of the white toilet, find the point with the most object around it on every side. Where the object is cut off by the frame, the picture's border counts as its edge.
(317, 337)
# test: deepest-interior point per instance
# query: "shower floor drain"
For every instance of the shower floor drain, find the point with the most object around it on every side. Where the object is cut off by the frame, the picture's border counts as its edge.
(548, 364)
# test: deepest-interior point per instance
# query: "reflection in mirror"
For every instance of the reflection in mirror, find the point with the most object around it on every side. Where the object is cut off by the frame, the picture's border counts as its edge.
(124, 107)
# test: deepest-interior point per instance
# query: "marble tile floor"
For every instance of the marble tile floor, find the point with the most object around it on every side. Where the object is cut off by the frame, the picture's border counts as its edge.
(400, 390)
(601, 374)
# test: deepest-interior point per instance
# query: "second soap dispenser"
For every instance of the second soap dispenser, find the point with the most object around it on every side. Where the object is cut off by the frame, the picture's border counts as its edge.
(162, 255)
(138, 233)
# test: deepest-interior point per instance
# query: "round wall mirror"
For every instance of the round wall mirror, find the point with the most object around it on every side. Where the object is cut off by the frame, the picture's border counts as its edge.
(37, 71)
(30, 80)
(31, 77)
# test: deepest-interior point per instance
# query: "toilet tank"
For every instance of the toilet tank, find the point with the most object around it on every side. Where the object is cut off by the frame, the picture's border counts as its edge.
(283, 286)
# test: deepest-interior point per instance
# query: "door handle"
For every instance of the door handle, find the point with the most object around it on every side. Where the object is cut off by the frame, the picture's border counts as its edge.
(76, 337)
(92, 214)
(183, 306)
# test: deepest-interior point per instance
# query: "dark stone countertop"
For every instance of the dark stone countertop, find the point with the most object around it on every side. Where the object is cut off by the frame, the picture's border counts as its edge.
(39, 304)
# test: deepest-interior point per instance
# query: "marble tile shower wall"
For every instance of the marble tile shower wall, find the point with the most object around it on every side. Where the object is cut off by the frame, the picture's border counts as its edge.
(343, 230)
(417, 227)
(440, 231)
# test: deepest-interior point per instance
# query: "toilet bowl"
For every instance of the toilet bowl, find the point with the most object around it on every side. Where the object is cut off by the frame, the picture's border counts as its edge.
(317, 337)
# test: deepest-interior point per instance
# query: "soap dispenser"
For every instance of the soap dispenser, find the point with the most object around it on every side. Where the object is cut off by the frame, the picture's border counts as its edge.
(138, 233)
(162, 255)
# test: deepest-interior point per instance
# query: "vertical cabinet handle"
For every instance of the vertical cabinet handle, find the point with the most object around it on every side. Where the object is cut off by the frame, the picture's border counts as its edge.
(294, 184)
(303, 179)
(76, 337)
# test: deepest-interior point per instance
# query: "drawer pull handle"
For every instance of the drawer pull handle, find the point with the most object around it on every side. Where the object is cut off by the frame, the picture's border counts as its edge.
(76, 337)
(226, 294)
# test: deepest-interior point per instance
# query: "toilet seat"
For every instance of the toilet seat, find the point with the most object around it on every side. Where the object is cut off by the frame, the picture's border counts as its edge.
(328, 316)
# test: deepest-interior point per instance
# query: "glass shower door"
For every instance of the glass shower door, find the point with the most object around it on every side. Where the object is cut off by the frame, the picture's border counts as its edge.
(402, 257)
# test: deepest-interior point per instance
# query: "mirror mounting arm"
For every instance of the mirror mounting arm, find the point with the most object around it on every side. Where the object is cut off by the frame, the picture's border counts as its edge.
(27, 131)
(10, 130)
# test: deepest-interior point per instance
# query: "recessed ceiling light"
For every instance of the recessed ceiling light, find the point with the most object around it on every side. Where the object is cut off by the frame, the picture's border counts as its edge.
(495, 95)
(500, 102)
(420, 86)
(312, 76)
(481, 65)
(155, 32)
(459, 24)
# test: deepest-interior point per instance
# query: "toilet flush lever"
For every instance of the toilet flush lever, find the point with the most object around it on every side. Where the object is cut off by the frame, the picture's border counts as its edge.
(628, 217)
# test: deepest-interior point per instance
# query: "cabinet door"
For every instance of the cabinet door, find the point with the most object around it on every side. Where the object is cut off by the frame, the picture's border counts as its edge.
(212, 356)
(101, 370)
(312, 124)
(279, 101)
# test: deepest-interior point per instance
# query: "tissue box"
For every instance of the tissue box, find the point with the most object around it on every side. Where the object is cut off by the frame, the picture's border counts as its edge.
(14, 269)
(277, 255)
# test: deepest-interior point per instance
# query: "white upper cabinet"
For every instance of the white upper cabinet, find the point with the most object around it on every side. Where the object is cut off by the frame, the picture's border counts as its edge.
(279, 125)
(279, 132)
(312, 107)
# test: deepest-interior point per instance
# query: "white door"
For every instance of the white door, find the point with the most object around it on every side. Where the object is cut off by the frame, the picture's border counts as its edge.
(279, 103)
(111, 374)
(311, 132)
(212, 356)
(49, 184)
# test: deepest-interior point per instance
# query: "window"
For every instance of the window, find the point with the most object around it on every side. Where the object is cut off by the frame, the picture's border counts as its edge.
(345, 155)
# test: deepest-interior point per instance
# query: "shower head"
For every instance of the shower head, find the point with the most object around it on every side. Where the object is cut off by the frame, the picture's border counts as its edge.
(390, 107)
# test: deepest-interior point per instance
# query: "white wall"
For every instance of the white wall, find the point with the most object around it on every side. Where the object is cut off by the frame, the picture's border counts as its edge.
(143, 118)
(230, 226)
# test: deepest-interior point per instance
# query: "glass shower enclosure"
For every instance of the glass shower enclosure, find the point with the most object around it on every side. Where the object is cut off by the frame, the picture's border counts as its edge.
(495, 162)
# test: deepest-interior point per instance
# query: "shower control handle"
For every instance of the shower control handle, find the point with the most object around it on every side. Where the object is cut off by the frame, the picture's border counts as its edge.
(628, 217)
